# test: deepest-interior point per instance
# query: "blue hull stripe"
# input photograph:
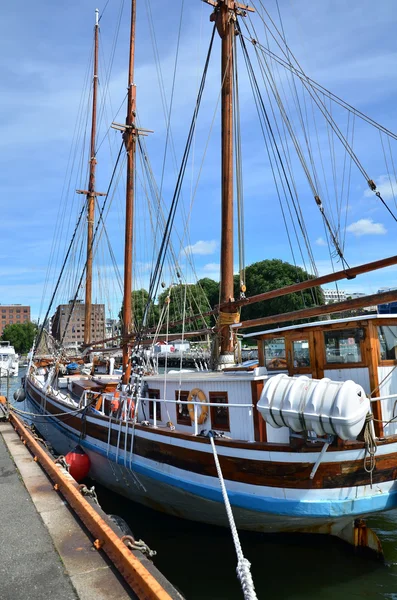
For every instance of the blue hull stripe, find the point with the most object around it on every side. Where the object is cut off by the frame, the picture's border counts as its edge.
(271, 506)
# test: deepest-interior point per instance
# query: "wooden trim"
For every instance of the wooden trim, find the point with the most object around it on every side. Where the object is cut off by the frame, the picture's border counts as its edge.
(358, 365)
(154, 394)
(325, 309)
(292, 337)
(181, 419)
(387, 363)
(318, 350)
(214, 397)
(260, 433)
(372, 348)
(261, 353)
(324, 327)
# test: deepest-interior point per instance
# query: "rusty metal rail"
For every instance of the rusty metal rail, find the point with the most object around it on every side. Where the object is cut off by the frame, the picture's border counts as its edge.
(141, 581)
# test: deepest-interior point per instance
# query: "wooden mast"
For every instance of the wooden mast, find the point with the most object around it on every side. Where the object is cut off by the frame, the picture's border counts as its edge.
(91, 193)
(224, 18)
(130, 144)
(224, 15)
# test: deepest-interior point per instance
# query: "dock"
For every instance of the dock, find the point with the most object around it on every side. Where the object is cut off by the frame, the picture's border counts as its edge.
(46, 551)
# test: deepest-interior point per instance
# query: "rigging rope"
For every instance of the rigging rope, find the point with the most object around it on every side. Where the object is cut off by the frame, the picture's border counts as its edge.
(92, 244)
(60, 276)
(155, 278)
(275, 149)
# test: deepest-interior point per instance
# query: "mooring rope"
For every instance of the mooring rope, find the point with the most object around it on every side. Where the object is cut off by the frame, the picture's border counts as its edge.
(370, 446)
(243, 565)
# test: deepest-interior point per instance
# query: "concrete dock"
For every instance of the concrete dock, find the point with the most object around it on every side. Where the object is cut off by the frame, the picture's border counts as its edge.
(44, 551)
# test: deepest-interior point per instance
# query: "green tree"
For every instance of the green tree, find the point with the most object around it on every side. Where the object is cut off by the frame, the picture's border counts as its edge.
(139, 299)
(187, 300)
(20, 335)
(210, 289)
(268, 275)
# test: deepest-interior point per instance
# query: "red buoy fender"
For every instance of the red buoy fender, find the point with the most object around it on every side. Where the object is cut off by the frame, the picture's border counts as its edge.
(79, 463)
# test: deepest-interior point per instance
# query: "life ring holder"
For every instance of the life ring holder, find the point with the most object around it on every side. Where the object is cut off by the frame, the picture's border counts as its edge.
(197, 393)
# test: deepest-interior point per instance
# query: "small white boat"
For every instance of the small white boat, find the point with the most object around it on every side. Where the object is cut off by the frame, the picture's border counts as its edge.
(8, 360)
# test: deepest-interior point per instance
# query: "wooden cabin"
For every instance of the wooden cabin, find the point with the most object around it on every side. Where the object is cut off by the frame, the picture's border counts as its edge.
(363, 349)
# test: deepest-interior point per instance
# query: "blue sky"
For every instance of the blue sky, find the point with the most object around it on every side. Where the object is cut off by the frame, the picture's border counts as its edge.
(45, 51)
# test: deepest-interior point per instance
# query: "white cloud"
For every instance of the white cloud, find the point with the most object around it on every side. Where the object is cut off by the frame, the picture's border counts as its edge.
(202, 247)
(321, 242)
(385, 186)
(366, 227)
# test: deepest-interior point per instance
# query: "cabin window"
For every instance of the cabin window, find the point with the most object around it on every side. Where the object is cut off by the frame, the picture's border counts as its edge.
(388, 342)
(182, 411)
(275, 355)
(300, 352)
(219, 414)
(154, 394)
(343, 346)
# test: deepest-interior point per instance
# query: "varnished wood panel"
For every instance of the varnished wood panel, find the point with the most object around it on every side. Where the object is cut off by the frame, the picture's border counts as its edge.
(371, 345)
(259, 423)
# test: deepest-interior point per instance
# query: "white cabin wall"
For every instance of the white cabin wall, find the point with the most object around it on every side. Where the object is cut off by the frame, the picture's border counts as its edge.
(278, 435)
(389, 386)
(238, 391)
(359, 375)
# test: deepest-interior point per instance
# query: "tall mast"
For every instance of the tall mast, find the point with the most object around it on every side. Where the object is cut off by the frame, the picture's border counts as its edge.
(91, 193)
(224, 15)
(130, 144)
(225, 25)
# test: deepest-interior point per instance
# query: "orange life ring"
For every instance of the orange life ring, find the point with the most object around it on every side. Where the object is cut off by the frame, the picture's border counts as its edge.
(197, 393)
(3, 400)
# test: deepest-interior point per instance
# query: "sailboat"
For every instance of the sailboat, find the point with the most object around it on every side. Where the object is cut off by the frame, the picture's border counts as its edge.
(306, 435)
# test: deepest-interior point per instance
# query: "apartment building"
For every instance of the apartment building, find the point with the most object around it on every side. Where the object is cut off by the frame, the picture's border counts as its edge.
(72, 330)
(11, 314)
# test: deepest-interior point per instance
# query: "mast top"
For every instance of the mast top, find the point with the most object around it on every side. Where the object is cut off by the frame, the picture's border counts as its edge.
(96, 17)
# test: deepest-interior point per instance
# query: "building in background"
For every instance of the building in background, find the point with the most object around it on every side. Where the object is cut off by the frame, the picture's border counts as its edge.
(112, 328)
(10, 314)
(72, 332)
(333, 295)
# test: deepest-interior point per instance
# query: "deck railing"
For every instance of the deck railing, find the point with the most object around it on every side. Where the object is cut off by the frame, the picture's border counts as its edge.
(87, 398)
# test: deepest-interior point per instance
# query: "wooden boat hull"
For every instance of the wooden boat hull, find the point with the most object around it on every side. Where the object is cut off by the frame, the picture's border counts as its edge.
(269, 492)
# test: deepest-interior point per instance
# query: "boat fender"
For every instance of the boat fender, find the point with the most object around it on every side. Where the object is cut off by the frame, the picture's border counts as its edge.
(197, 393)
(79, 463)
(19, 395)
(121, 524)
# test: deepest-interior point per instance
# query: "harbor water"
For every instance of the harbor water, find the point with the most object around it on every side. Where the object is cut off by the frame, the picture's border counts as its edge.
(200, 560)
